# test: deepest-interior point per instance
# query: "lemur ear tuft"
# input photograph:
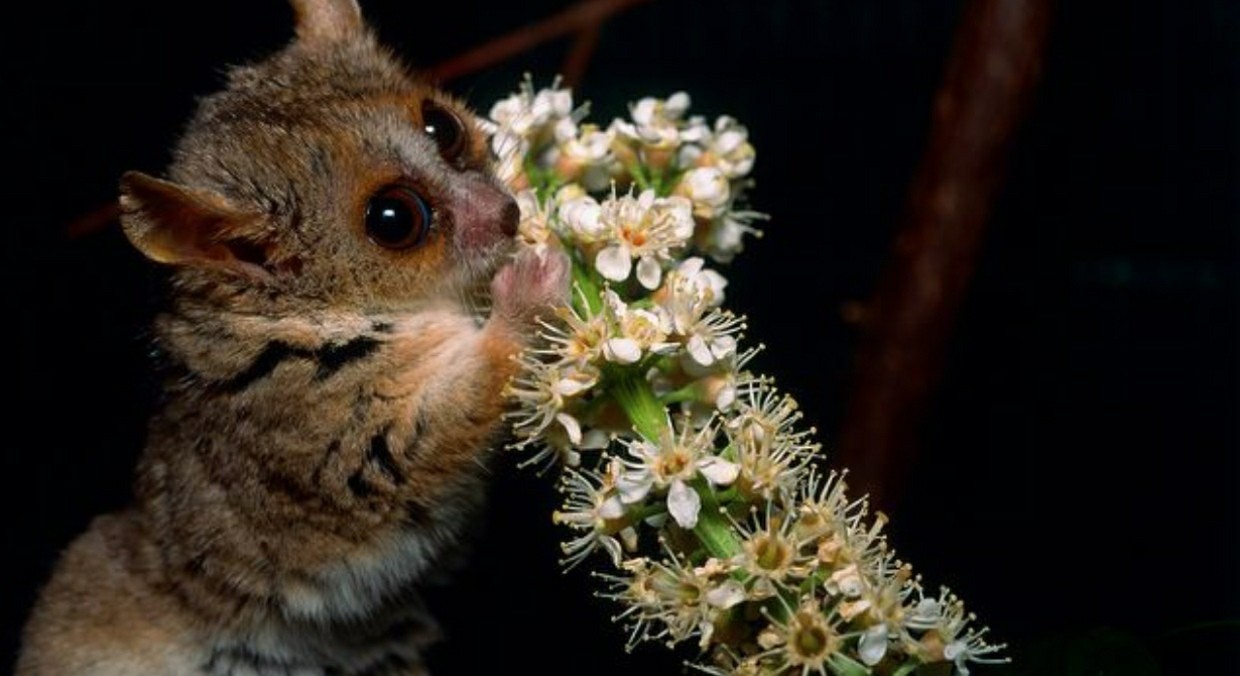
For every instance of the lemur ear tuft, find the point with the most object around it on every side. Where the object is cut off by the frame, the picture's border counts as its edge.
(173, 224)
(326, 21)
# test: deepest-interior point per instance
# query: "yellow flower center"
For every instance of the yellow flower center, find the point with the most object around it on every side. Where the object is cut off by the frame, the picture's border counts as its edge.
(672, 464)
(810, 639)
(770, 552)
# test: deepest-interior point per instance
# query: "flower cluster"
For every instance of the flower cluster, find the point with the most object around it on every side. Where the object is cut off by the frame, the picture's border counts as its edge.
(686, 470)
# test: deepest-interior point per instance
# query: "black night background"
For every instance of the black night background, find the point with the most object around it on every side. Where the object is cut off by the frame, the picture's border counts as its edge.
(1077, 470)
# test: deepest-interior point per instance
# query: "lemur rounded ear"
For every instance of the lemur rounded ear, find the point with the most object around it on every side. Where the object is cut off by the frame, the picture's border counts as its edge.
(327, 20)
(173, 224)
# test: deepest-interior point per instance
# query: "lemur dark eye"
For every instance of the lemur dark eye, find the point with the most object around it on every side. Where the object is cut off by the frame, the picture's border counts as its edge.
(397, 218)
(445, 128)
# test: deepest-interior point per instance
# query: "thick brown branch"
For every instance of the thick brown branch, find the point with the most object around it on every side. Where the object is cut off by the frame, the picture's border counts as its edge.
(994, 66)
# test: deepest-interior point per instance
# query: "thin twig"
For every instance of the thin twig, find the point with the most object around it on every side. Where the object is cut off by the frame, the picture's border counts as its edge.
(576, 18)
(579, 55)
(991, 75)
(94, 221)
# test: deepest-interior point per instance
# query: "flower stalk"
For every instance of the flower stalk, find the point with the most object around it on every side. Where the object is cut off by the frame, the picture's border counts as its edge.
(689, 473)
(634, 395)
(712, 529)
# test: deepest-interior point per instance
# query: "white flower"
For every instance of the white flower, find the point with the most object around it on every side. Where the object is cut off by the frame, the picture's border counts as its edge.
(584, 154)
(582, 216)
(542, 392)
(690, 296)
(652, 111)
(669, 465)
(523, 126)
(700, 286)
(708, 189)
(673, 599)
(728, 149)
(655, 122)
(772, 454)
(771, 552)
(645, 228)
(510, 150)
(662, 136)
(694, 133)
(552, 104)
(925, 614)
(634, 331)
(723, 238)
(527, 113)
(946, 622)
(593, 506)
(805, 641)
(534, 226)
(653, 135)
(512, 114)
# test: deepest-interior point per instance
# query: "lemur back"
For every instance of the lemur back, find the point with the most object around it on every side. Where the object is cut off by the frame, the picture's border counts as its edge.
(330, 392)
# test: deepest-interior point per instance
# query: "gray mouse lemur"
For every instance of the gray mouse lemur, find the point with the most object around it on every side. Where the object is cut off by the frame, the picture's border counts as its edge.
(331, 396)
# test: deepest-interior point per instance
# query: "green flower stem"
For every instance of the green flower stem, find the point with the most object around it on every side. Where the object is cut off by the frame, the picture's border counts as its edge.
(687, 393)
(634, 395)
(907, 669)
(649, 418)
(713, 529)
(589, 291)
(846, 666)
(639, 176)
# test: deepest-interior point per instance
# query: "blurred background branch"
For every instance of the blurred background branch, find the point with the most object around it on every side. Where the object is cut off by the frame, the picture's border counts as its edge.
(987, 87)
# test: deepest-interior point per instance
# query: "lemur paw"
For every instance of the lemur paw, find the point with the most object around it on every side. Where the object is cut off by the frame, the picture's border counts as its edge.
(530, 286)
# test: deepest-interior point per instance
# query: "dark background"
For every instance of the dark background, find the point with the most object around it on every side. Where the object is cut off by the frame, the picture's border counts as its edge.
(1078, 480)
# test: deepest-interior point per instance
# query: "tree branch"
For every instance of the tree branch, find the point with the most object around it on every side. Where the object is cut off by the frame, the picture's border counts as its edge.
(990, 77)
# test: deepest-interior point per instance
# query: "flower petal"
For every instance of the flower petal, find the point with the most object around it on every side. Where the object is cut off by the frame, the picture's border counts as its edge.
(699, 351)
(622, 350)
(634, 486)
(612, 508)
(594, 440)
(719, 471)
(726, 595)
(567, 387)
(649, 272)
(683, 503)
(664, 348)
(873, 645)
(722, 346)
(689, 267)
(571, 426)
(612, 548)
(614, 263)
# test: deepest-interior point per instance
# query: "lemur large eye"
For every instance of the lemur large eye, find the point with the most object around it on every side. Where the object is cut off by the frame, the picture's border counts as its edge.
(445, 127)
(397, 218)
